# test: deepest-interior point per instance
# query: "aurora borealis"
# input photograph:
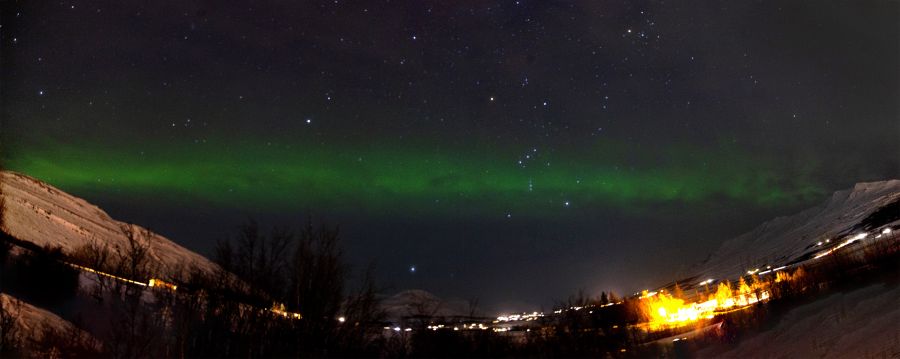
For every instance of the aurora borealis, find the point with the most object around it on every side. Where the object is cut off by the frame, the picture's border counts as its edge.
(297, 177)
(504, 149)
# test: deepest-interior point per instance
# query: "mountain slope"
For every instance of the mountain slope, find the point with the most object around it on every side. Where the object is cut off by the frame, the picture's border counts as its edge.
(32, 324)
(787, 239)
(44, 215)
(859, 323)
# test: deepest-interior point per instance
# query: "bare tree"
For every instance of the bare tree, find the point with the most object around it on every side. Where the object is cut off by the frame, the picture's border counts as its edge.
(363, 317)
(306, 273)
(473, 307)
(135, 262)
(135, 329)
(317, 280)
(10, 308)
(98, 257)
(423, 310)
(257, 259)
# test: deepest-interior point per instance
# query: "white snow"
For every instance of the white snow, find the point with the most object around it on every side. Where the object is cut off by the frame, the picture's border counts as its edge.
(31, 322)
(782, 239)
(42, 214)
(859, 324)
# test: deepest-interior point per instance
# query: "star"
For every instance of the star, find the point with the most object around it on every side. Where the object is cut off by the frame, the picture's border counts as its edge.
(415, 148)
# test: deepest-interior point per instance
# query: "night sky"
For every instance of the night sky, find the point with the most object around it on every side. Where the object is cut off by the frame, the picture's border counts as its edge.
(513, 151)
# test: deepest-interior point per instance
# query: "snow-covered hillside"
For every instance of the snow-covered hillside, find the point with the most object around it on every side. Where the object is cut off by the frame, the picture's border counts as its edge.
(786, 239)
(856, 324)
(42, 214)
(31, 324)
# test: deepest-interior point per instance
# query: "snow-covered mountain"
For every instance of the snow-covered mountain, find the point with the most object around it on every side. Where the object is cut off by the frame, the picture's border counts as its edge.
(787, 239)
(44, 215)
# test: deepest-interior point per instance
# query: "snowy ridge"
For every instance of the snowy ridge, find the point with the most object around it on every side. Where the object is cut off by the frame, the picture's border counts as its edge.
(44, 215)
(32, 323)
(783, 239)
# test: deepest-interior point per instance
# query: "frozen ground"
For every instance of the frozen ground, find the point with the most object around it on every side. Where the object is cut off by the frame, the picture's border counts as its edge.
(864, 323)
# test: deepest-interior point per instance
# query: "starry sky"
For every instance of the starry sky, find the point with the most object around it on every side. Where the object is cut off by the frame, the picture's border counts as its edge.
(513, 151)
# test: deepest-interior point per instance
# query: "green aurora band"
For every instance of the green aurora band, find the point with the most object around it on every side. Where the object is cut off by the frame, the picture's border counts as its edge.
(377, 180)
